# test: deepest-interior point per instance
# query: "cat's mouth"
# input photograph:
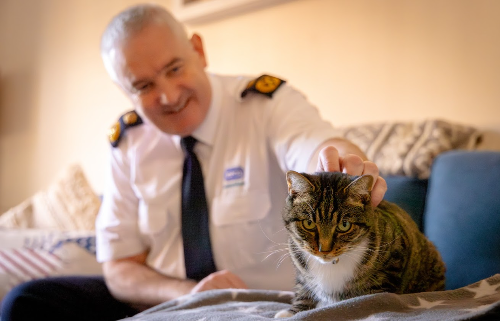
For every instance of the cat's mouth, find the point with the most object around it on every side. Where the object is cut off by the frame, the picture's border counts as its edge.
(328, 260)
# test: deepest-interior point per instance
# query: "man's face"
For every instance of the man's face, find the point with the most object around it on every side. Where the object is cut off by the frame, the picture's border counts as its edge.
(165, 78)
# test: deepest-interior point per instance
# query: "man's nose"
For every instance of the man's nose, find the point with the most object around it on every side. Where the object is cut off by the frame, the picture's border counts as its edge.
(168, 93)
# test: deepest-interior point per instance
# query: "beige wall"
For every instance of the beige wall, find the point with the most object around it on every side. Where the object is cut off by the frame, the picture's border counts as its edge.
(358, 60)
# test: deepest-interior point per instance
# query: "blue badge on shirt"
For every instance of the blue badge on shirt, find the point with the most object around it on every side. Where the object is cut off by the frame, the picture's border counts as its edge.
(233, 173)
(233, 176)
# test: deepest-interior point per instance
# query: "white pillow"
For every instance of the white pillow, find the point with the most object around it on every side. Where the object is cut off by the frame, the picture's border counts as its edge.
(28, 254)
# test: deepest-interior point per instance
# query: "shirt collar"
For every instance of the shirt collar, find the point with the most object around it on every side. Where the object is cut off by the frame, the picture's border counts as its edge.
(205, 133)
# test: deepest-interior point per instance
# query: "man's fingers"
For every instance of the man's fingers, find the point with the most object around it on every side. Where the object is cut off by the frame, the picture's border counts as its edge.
(226, 280)
(220, 280)
(378, 191)
(236, 282)
(353, 165)
(370, 168)
(379, 184)
(328, 160)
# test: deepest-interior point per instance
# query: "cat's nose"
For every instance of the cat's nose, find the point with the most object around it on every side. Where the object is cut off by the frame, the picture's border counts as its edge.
(325, 241)
(325, 247)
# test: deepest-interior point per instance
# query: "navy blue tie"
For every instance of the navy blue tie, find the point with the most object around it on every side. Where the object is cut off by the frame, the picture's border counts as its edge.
(195, 233)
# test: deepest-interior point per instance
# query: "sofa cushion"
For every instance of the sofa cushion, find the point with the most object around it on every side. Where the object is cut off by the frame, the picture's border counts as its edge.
(69, 203)
(462, 214)
(409, 193)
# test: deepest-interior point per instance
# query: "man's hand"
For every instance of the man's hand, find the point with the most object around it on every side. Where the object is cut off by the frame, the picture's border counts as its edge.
(330, 161)
(220, 280)
(131, 280)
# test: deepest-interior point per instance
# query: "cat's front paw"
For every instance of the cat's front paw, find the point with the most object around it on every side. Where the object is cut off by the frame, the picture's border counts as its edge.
(284, 314)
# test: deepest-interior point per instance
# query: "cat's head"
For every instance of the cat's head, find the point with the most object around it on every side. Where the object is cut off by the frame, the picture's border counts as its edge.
(327, 214)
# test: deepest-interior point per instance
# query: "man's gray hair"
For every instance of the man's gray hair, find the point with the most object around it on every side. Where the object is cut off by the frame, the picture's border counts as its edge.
(131, 21)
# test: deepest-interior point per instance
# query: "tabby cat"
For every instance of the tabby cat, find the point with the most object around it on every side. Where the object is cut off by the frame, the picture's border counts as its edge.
(343, 247)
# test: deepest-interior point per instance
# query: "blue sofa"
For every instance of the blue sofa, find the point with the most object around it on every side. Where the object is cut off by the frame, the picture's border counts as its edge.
(458, 209)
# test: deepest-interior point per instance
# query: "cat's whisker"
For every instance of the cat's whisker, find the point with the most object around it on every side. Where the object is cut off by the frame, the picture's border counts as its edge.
(384, 244)
(260, 226)
(288, 252)
(365, 250)
(280, 230)
(308, 259)
(375, 249)
(278, 244)
(272, 253)
(356, 256)
(281, 259)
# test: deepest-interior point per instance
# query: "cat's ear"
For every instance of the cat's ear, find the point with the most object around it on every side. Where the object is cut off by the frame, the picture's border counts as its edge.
(360, 189)
(298, 184)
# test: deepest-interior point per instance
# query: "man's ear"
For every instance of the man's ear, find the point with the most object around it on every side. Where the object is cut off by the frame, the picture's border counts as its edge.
(197, 44)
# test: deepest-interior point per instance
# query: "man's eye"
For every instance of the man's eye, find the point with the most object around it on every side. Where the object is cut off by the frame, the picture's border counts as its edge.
(143, 87)
(174, 70)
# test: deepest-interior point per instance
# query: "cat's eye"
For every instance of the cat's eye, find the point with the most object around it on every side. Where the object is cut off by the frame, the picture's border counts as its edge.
(344, 226)
(308, 224)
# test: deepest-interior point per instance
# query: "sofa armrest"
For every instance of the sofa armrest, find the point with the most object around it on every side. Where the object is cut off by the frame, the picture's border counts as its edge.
(462, 214)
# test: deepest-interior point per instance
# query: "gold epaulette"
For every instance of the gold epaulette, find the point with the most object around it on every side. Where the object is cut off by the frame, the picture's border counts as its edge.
(127, 120)
(265, 85)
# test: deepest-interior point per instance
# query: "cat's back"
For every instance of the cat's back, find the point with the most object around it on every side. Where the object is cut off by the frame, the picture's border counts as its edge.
(423, 268)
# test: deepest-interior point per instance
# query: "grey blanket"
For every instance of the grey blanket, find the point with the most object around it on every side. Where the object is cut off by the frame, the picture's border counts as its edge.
(478, 301)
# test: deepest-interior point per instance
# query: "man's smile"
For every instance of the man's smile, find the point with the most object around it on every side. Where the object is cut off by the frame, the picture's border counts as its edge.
(174, 109)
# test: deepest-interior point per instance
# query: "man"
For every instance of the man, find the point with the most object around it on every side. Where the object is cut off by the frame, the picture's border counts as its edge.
(247, 134)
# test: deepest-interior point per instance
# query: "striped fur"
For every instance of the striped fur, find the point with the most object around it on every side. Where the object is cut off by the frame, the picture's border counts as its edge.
(342, 247)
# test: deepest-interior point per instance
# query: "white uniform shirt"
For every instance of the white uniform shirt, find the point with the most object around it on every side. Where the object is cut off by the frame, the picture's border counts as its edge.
(245, 147)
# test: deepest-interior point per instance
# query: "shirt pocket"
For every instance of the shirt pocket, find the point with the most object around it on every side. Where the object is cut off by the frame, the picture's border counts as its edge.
(238, 209)
(238, 237)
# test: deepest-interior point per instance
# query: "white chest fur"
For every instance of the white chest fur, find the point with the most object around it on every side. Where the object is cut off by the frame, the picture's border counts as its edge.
(330, 279)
